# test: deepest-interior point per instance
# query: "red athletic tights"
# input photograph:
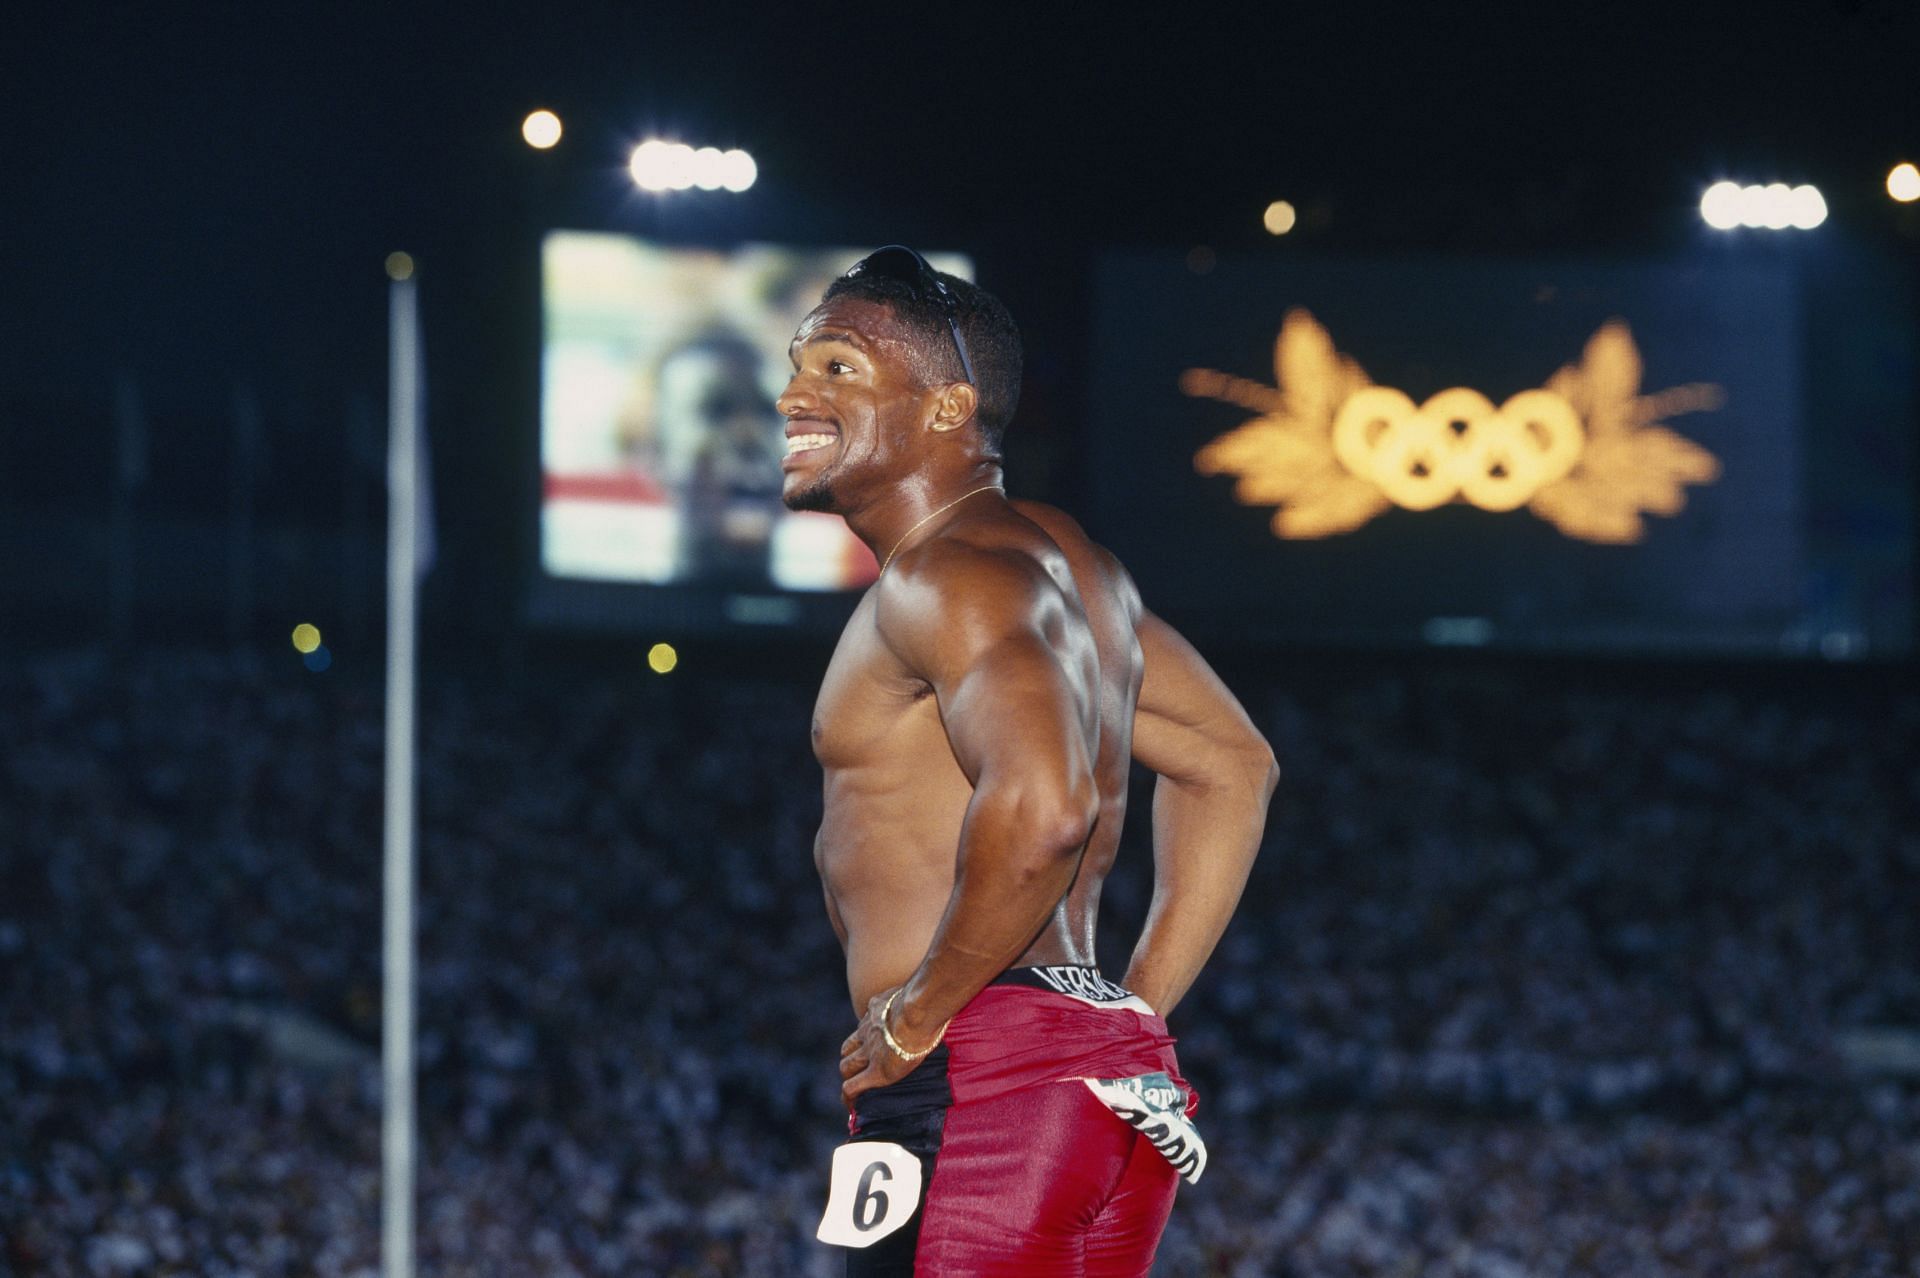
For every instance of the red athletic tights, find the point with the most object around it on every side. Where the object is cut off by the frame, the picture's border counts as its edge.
(1043, 1181)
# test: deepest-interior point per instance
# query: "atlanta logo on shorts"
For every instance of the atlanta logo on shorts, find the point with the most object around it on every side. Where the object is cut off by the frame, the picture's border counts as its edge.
(1155, 1106)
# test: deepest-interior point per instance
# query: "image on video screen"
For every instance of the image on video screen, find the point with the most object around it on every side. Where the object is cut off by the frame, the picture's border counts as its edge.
(660, 443)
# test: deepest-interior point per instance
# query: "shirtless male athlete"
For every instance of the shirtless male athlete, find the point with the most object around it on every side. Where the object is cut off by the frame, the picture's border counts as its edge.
(1013, 1112)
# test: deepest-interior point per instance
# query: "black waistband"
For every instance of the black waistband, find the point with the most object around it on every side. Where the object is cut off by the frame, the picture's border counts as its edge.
(926, 1088)
(1078, 979)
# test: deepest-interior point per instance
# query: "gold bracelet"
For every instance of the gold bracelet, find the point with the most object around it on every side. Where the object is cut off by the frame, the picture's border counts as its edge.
(894, 1043)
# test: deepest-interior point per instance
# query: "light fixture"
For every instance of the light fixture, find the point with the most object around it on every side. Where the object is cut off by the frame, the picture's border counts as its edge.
(1903, 182)
(541, 129)
(1772, 207)
(659, 165)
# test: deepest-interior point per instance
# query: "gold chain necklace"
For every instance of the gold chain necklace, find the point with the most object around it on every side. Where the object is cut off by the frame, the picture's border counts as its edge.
(943, 510)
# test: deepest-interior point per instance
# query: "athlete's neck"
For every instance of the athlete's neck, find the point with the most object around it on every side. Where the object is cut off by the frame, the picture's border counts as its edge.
(910, 510)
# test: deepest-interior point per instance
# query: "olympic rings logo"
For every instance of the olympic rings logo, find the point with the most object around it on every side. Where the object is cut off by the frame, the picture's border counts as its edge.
(1457, 444)
(1588, 451)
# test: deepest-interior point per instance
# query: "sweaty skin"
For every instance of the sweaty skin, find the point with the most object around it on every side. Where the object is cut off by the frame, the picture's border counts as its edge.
(977, 719)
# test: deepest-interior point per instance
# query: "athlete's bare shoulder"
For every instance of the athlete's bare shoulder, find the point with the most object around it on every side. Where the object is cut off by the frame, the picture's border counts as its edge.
(1001, 541)
(1084, 553)
(988, 575)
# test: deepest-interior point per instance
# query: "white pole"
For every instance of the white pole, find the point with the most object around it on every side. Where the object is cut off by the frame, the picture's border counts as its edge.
(397, 1133)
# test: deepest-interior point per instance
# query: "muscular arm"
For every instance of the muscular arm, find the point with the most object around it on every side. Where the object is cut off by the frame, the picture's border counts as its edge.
(997, 643)
(1216, 776)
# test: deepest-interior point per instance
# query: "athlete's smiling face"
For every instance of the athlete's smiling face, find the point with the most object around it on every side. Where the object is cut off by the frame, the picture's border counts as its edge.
(855, 408)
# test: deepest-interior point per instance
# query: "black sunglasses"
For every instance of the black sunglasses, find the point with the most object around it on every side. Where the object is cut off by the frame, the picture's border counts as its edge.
(898, 262)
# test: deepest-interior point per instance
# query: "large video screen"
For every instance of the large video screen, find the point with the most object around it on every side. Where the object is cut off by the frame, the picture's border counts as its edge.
(660, 444)
(1698, 455)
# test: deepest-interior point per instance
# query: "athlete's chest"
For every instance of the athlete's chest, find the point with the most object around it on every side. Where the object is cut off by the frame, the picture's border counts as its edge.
(868, 700)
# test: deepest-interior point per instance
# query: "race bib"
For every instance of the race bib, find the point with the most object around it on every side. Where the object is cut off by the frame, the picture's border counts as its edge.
(874, 1189)
(1156, 1107)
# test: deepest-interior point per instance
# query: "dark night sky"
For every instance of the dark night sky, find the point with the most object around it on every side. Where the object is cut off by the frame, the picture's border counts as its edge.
(195, 200)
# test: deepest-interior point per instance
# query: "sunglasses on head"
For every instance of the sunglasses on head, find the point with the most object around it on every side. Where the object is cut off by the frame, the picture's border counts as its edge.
(898, 262)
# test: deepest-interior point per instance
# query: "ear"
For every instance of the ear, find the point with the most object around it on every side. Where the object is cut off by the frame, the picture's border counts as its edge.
(955, 407)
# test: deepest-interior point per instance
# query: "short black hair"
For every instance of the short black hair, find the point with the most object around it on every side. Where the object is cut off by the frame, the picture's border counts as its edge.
(993, 340)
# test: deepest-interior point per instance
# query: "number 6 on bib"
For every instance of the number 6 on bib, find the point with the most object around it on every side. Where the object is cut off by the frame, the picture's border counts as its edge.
(874, 1189)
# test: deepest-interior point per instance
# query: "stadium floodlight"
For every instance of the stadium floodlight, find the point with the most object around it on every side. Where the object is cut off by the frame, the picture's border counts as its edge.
(709, 168)
(1720, 206)
(1903, 182)
(1807, 207)
(662, 166)
(541, 129)
(740, 170)
(1772, 207)
(658, 165)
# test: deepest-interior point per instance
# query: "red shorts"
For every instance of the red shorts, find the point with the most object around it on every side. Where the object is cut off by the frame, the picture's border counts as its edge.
(1024, 1169)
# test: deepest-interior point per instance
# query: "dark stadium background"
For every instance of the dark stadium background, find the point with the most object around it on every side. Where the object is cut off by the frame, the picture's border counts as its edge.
(1556, 963)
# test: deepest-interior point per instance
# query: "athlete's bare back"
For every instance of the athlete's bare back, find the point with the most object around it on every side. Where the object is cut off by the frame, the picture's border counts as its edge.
(895, 795)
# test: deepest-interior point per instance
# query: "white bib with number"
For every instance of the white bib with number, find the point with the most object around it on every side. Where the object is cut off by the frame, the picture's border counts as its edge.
(875, 1189)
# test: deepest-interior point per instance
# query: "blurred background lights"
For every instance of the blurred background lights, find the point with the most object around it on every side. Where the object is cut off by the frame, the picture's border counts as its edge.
(1903, 183)
(399, 266)
(662, 166)
(709, 168)
(740, 170)
(1720, 206)
(306, 637)
(1809, 207)
(657, 165)
(317, 660)
(662, 658)
(1774, 207)
(541, 129)
(1279, 218)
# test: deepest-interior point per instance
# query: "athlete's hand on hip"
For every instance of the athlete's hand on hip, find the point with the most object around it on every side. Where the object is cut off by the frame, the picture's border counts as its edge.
(866, 1062)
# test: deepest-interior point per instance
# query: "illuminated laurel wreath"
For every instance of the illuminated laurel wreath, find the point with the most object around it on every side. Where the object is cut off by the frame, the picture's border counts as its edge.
(1331, 450)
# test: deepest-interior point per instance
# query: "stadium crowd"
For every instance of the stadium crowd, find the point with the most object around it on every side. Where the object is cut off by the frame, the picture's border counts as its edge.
(1546, 971)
